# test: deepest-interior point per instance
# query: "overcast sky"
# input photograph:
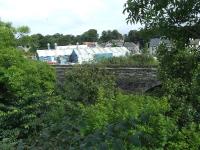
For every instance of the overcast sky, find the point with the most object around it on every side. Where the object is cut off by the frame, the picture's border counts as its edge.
(66, 16)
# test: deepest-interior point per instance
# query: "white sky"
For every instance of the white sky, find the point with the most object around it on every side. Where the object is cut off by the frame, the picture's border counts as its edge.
(66, 16)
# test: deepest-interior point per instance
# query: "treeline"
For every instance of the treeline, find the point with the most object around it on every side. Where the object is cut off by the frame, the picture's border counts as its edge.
(39, 41)
(21, 37)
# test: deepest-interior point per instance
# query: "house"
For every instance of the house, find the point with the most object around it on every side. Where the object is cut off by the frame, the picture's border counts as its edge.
(90, 44)
(155, 43)
(113, 43)
(132, 47)
(195, 43)
(118, 43)
(70, 47)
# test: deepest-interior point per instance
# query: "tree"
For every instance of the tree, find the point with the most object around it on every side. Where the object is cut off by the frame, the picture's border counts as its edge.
(7, 35)
(135, 36)
(34, 42)
(147, 34)
(90, 36)
(179, 66)
(105, 36)
(110, 35)
(11, 36)
(116, 35)
(43, 40)
(22, 31)
(178, 20)
(22, 37)
(25, 86)
(66, 40)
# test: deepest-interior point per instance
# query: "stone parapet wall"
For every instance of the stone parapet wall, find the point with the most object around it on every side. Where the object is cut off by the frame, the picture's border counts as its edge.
(129, 79)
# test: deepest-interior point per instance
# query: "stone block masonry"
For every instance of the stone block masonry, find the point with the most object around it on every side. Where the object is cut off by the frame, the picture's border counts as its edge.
(128, 79)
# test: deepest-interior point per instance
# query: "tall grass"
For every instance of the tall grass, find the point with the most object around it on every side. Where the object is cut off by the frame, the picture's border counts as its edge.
(139, 60)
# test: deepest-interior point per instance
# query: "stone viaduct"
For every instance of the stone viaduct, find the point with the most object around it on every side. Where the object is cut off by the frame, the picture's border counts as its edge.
(128, 79)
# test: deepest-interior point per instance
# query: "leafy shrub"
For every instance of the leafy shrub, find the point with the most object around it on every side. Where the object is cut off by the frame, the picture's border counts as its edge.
(178, 71)
(124, 123)
(62, 128)
(136, 122)
(121, 107)
(87, 83)
(186, 138)
(25, 88)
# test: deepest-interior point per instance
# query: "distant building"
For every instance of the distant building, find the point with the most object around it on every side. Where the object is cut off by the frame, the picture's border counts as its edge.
(54, 56)
(155, 43)
(113, 43)
(70, 47)
(195, 43)
(90, 44)
(80, 54)
(118, 43)
(132, 47)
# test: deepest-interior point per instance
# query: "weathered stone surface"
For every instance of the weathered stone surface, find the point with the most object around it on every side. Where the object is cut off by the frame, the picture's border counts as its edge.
(129, 79)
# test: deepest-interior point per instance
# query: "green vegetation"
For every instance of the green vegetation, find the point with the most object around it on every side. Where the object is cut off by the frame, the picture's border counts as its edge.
(140, 60)
(26, 87)
(39, 41)
(179, 71)
(120, 122)
(88, 83)
(88, 111)
(7, 38)
(110, 35)
(26, 90)
(178, 20)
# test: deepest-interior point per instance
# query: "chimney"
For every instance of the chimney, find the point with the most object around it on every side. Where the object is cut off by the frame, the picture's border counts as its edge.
(55, 44)
(48, 46)
(77, 44)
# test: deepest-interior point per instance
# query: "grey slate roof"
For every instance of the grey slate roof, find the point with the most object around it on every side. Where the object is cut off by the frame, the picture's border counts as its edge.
(129, 44)
(132, 47)
(155, 42)
(195, 42)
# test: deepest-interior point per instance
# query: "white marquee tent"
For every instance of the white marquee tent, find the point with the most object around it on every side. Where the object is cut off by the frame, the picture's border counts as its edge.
(84, 54)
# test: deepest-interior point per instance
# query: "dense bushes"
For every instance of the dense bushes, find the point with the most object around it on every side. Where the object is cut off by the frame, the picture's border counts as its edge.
(122, 119)
(88, 83)
(116, 121)
(179, 73)
(92, 114)
(144, 126)
(25, 90)
(180, 77)
(125, 122)
(122, 107)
